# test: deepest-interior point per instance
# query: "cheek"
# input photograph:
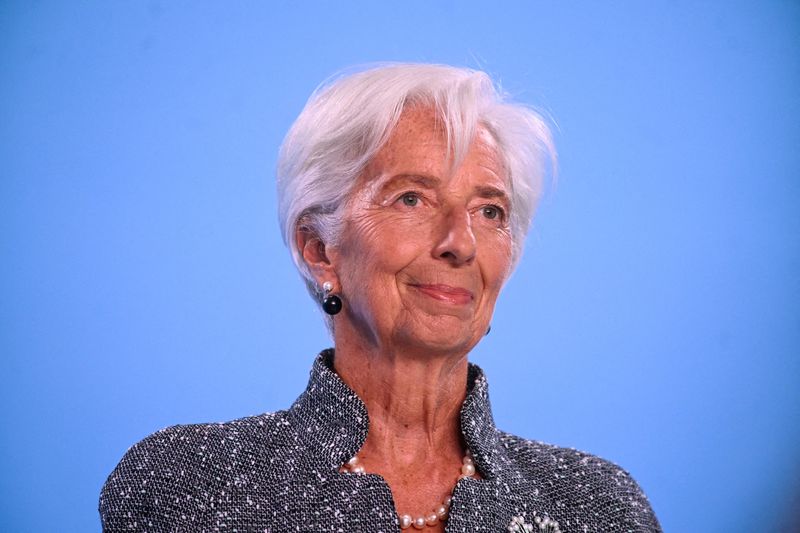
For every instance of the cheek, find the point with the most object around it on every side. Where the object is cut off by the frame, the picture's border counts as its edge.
(373, 251)
(497, 263)
(386, 237)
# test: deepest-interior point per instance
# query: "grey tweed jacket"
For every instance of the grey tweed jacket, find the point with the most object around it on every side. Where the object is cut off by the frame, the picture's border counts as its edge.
(278, 472)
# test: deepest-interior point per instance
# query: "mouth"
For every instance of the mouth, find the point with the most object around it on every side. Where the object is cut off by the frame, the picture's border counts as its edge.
(446, 293)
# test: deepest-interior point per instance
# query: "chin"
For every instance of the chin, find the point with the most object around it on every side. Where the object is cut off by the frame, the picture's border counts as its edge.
(441, 336)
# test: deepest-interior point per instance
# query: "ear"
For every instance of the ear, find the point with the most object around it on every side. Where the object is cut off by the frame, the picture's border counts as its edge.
(315, 255)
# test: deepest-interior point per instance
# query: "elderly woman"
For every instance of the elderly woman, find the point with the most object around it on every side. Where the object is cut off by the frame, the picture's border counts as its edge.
(405, 195)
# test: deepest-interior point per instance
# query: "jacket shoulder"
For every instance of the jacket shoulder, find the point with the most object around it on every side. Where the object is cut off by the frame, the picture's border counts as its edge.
(580, 489)
(174, 475)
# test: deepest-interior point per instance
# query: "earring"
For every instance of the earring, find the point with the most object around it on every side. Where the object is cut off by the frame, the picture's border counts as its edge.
(488, 330)
(332, 304)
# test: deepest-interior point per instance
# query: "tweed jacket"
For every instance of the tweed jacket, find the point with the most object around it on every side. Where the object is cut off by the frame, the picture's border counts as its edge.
(279, 473)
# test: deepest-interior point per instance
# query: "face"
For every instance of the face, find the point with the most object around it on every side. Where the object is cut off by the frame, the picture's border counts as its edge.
(425, 248)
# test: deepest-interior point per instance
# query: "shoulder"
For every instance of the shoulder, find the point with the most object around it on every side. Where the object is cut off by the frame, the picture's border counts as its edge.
(579, 487)
(162, 478)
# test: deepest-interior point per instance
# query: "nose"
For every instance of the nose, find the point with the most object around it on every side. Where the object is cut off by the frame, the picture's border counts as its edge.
(457, 241)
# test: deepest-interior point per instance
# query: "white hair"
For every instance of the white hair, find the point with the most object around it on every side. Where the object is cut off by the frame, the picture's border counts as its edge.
(347, 120)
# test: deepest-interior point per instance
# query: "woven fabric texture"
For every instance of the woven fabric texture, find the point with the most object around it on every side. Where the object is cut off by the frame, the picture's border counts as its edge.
(279, 472)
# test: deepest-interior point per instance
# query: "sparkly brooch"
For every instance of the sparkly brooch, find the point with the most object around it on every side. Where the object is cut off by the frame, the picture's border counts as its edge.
(544, 525)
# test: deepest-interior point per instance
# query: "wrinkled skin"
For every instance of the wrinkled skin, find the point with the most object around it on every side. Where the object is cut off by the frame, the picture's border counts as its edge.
(425, 251)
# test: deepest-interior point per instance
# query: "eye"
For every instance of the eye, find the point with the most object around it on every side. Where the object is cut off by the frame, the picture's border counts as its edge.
(492, 212)
(411, 199)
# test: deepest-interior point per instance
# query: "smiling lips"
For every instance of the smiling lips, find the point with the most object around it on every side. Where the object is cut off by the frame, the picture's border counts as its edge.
(446, 293)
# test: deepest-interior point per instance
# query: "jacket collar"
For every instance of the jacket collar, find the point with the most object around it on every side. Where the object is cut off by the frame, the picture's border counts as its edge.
(335, 421)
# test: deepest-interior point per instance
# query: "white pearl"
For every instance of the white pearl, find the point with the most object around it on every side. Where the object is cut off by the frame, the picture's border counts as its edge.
(327, 286)
(441, 512)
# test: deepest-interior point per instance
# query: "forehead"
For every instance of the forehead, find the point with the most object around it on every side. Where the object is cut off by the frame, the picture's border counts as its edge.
(418, 143)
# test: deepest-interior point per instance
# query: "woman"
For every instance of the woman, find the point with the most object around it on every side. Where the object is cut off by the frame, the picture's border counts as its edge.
(405, 195)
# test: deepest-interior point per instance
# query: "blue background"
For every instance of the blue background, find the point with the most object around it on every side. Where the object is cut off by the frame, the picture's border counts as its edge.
(653, 320)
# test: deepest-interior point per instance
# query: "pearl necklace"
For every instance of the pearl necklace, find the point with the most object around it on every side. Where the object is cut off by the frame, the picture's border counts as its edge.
(439, 513)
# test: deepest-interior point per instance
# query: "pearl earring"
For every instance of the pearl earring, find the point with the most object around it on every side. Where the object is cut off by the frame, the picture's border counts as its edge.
(332, 304)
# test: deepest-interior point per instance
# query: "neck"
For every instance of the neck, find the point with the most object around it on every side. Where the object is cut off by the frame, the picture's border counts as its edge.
(413, 402)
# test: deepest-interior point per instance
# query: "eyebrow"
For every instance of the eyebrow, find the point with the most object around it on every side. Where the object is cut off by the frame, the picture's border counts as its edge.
(429, 182)
(488, 191)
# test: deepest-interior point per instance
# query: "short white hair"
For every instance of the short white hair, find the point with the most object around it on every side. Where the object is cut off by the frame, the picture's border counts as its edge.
(347, 120)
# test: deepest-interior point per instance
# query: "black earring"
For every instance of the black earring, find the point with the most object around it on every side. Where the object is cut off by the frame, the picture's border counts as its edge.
(332, 304)
(488, 330)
